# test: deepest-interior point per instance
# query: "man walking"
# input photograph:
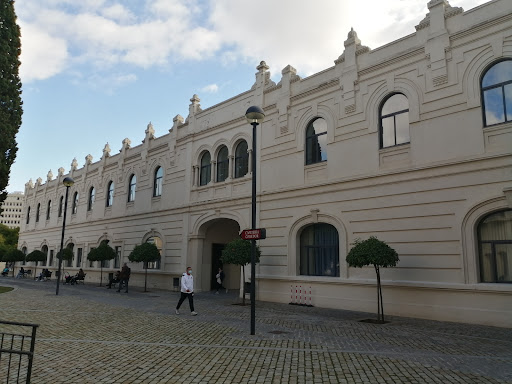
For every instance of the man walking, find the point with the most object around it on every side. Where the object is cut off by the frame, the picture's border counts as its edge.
(124, 277)
(187, 291)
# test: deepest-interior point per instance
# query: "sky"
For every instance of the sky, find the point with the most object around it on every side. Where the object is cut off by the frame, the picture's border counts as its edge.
(98, 71)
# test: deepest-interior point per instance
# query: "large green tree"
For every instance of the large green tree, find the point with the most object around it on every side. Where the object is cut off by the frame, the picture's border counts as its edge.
(10, 91)
(238, 252)
(103, 253)
(13, 256)
(36, 256)
(146, 253)
(377, 253)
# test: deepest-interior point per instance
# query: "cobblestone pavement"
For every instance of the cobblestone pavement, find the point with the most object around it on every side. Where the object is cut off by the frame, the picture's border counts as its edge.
(89, 334)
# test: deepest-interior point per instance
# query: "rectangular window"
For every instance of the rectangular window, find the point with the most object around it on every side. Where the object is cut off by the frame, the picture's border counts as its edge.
(50, 263)
(117, 260)
(79, 257)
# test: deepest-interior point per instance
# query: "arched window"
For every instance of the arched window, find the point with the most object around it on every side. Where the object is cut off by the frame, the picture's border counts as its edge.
(44, 249)
(495, 247)
(157, 187)
(316, 141)
(37, 212)
(394, 121)
(497, 93)
(319, 251)
(222, 164)
(61, 206)
(92, 195)
(131, 188)
(206, 169)
(241, 159)
(28, 215)
(75, 203)
(110, 194)
(158, 242)
(69, 263)
(49, 210)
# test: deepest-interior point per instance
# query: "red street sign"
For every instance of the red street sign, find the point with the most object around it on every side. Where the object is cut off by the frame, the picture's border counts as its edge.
(254, 234)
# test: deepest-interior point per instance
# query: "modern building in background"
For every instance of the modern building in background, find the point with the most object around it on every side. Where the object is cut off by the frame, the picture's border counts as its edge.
(12, 209)
(410, 142)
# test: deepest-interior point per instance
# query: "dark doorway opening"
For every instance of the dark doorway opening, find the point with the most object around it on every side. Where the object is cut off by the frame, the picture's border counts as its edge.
(216, 263)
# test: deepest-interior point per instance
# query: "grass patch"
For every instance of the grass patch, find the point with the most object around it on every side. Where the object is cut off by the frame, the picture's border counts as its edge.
(5, 289)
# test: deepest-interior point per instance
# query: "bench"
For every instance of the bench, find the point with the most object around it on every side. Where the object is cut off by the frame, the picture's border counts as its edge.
(27, 273)
(80, 279)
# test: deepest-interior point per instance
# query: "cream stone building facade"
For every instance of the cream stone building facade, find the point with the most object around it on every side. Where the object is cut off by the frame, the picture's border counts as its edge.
(12, 208)
(410, 142)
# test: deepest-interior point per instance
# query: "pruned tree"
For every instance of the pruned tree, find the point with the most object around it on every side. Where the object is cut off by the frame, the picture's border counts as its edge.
(65, 255)
(377, 253)
(10, 95)
(145, 253)
(238, 252)
(13, 256)
(102, 253)
(36, 256)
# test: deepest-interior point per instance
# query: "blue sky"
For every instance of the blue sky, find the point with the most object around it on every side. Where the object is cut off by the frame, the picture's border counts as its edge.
(98, 71)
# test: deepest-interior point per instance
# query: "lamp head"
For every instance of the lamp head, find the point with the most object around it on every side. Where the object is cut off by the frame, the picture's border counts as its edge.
(68, 181)
(255, 115)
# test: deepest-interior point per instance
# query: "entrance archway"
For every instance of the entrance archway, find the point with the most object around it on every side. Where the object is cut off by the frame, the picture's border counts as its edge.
(216, 234)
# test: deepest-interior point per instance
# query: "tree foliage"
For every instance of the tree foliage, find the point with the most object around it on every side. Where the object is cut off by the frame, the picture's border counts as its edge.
(36, 256)
(12, 256)
(102, 253)
(145, 253)
(10, 95)
(238, 252)
(377, 253)
(65, 254)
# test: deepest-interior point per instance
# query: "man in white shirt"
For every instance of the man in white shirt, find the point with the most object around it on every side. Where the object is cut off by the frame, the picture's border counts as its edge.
(187, 290)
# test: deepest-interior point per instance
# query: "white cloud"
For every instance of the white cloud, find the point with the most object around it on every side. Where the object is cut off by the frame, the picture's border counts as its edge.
(211, 88)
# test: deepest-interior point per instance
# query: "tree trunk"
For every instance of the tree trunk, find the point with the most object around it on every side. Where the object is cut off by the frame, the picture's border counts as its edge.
(146, 279)
(379, 295)
(35, 270)
(101, 272)
(243, 285)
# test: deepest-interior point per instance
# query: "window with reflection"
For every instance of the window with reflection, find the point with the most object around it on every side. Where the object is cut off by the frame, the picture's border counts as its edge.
(28, 215)
(316, 141)
(497, 93)
(495, 247)
(222, 164)
(61, 206)
(159, 244)
(319, 251)
(394, 121)
(49, 210)
(110, 194)
(205, 172)
(37, 212)
(131, 188)
(75, 203)
(157, 186)
(241, 159)
(92, 196)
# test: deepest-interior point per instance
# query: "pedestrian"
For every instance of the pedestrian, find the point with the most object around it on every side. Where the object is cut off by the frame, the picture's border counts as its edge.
(124, 277)
(187, 291)
(220, 279)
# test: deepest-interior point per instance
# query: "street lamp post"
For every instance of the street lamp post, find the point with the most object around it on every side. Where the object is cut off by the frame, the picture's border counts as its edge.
(254, 116)
(68, 182)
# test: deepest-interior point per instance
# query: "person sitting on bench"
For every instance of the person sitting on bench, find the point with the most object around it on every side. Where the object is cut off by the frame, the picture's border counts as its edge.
(5, 271)
(115, 279)
(21, 273)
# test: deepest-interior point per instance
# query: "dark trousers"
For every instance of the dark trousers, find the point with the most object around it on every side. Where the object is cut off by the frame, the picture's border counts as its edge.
(219, 286)
(121, 282)
(190, 296)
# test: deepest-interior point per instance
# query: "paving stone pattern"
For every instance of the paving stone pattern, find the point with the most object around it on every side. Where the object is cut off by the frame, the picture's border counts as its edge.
(89, 334)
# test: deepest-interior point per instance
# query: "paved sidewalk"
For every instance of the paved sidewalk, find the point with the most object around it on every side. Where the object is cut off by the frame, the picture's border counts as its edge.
(89, 334)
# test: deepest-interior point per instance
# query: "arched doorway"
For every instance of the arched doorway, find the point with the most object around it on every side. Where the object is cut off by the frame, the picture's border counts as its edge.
(216, 234)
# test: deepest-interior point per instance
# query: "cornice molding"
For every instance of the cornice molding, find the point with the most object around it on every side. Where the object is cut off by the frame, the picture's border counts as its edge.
(321, 87)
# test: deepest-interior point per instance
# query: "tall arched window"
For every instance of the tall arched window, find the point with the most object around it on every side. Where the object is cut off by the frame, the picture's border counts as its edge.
(205, 174)
(394, 121)
(159, 244)
(495, 247)
(157, 186)
(92, 196)
(131, 188)
(44, 249)
(61, 206)
(497, 93)
(316, 141)
(319, 251)
(110, 194)
(37, 212)
(75, 203)
(241, 159)
(28, 215)
(49, 210)
(222, 164)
